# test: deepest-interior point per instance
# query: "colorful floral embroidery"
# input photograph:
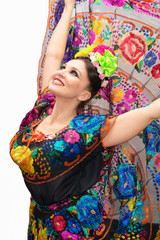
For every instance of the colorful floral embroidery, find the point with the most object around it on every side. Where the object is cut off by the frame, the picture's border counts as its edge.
(89, 212)
(132, 47)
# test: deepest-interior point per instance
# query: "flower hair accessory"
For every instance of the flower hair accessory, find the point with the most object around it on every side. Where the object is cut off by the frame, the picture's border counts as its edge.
(102, 57)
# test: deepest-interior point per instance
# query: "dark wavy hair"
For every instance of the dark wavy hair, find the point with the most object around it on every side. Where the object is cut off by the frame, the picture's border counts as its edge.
(95, 81)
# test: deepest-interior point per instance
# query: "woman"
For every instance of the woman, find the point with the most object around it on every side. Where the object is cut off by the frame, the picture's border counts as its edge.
(60, 151)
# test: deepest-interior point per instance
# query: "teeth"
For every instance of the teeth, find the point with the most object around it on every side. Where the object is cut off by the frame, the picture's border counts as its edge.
(56, 81)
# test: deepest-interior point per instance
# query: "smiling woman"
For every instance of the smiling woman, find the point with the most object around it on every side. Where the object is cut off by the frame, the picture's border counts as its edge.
(81, 186)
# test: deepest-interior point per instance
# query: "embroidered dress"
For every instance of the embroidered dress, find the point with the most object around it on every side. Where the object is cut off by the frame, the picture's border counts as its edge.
(59, 171)
(121, 199)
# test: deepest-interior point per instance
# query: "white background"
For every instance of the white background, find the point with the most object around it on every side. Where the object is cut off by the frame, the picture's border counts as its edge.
(22, 29)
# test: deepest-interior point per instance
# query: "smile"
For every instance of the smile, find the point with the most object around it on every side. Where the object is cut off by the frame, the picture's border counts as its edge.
(58, 82)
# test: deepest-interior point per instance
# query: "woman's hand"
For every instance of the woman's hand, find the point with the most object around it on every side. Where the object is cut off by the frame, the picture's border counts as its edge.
(57, 44)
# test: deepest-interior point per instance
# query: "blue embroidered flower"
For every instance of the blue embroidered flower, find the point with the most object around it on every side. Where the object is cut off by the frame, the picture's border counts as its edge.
(87, 124)
(60, 145)
(151, 138)
(150, 59)
(74, 226)
(157, 178)
(126, 184)
(89, 212)
(72, 151)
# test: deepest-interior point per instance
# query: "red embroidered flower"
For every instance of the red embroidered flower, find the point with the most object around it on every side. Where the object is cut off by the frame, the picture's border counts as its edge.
(157, 161)
(58, 223)
(156, 71)
(132, 47)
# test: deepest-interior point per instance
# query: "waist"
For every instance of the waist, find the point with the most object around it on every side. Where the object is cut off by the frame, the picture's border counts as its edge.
(67, 202)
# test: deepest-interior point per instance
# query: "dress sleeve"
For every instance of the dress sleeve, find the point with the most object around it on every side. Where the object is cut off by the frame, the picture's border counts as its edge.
(42, 107)
(106, 126)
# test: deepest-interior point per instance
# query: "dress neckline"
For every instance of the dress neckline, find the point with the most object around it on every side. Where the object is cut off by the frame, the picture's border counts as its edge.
(34, 125)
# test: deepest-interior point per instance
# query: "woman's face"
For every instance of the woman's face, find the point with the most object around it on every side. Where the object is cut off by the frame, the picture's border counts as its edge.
(71, 81)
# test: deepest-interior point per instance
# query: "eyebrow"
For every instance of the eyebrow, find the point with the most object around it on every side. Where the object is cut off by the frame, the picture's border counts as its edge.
(65, 64)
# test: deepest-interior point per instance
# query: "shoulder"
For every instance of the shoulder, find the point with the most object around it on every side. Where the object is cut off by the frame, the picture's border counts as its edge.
(87, 123)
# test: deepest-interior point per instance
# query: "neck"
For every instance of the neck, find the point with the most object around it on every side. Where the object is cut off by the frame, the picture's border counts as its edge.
(63, 111)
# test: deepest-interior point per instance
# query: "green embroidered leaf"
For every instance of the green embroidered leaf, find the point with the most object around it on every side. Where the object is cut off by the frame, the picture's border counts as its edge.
(138, 66)
(94, 193)
(150, 42)
(84, 31)
(85, 232)
(116, 80)
(98, 2)
(72, 208)
(149, 158)
(116, 47)
(15, 145)
(128, 7)
(34, 153)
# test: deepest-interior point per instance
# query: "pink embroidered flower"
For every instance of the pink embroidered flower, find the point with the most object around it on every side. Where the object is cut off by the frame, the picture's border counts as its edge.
(122, 107)
(101, 49)
(157, 161)
(130, 96)
(159, 55)
(58, 223)
(77, 39)
(68, 236)
(30, 116)
(71, 136)
(118, 3)
(156, 71)
(92, 36)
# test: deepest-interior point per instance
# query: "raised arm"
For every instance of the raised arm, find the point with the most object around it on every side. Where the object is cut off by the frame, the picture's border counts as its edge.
(56, 47)
(129, 124)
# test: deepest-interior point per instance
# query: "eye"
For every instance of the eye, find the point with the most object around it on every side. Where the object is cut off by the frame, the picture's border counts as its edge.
(62, 67)
(74, 73)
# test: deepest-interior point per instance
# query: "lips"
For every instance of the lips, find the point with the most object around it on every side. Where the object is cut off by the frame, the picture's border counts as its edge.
(58, 81)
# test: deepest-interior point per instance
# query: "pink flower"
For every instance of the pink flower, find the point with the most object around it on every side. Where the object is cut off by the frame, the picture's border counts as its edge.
(159, 55)
(130, 96)
(156, 71)
(58, 223)
(71, 136)
(118, 3)
(77, 39)
(157, 161)
(122, 107)
(92, 36)
(101, 76)
(68, 236)
(95, 64)
(101, 49)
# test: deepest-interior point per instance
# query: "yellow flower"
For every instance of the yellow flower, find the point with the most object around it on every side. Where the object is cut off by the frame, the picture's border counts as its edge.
(131, 203)
(117, 95)
(42, 232)
(21, 155)
(158, 235)
(85, 51)
(97, 27)
(99, 41)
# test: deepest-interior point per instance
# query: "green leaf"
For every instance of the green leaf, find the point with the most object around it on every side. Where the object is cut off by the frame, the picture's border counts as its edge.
(98, 2)
(34, 153)
(15, 145)
(138, 66)
(150, 42)
(116, 80)
(128, 7)
(116, 47)
(72, 208)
